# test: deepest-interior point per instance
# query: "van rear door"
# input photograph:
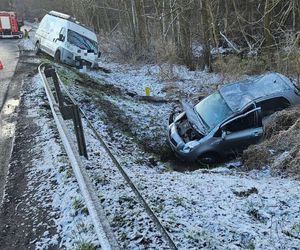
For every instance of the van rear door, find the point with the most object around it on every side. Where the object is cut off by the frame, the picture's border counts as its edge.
(53, 37)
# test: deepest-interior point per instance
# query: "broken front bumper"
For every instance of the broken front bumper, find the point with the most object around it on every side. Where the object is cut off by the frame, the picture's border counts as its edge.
(177, 145)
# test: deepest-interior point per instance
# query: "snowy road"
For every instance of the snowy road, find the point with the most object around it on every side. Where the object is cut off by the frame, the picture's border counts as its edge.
(9, 54)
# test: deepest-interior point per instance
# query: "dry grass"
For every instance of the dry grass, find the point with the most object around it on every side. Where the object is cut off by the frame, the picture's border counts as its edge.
(285, 61)
(117, 46)
(280, 149)
(281, 121)
(235, 65)
(163, 51)
(120, 47)
(170, 88)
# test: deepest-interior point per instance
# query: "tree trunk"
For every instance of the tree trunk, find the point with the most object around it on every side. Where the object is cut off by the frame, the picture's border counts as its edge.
(267, 26)
(214, 25)
(185, 41)
(267, 31)
(205, 33)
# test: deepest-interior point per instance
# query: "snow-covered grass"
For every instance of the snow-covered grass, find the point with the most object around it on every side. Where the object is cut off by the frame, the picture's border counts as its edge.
(158, 77)
(220, 208)
(51, 180)
(210, 209)
(202, 208)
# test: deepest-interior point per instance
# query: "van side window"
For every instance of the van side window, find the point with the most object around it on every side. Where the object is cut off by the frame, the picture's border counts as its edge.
(270, 106)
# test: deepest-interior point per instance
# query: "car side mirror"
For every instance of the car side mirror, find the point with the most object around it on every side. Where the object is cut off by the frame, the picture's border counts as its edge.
(99, 54)
(224, 133)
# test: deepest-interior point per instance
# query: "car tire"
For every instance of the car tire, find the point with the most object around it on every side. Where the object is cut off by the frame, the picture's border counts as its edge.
(57, 56)
(37, 48)
(208, 158)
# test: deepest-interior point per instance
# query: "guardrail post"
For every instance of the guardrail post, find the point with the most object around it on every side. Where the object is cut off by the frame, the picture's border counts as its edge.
(66, 111)
(79, 131)
(50, 72)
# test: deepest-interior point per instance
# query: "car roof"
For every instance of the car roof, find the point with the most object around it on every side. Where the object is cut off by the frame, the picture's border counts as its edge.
(237, 95)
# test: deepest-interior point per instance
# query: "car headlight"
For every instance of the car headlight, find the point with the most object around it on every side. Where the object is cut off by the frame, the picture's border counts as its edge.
(189, 146)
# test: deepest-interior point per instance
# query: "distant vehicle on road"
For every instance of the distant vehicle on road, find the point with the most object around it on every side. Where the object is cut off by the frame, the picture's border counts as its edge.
(229, 120)
(66, 40)
(10, 25)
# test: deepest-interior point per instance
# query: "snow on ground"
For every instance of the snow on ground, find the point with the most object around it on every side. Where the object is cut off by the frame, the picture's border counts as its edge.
(26, 44)
(133, 227)
(218, 209)
(204, 208)
(51, 174)
(136, 78)
(211, 209)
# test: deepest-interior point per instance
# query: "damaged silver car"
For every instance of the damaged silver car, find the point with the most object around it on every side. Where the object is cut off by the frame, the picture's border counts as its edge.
(229, 120)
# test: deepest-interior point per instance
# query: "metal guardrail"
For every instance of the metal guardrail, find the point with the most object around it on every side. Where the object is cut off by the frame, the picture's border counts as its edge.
(104, 232)
(68, 111)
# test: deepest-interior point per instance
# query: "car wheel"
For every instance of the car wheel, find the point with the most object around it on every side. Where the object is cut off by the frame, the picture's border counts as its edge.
(37, 48)
(208, 158)
(57, 56)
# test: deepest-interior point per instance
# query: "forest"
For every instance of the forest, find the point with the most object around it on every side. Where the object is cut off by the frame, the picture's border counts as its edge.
(250, 36)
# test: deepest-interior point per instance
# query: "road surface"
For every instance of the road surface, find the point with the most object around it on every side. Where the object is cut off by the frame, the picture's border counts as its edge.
(9, 53)
(9, 100)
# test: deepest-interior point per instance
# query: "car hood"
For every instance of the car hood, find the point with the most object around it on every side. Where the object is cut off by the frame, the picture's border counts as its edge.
(193, 118)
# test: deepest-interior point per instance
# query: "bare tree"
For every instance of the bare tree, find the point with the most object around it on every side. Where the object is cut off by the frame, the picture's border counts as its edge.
(206, 34)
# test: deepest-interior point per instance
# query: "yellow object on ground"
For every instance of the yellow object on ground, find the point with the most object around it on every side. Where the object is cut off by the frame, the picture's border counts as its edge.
(147, 90)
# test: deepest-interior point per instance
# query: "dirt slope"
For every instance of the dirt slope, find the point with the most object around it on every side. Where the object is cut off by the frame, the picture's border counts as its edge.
(280, 149)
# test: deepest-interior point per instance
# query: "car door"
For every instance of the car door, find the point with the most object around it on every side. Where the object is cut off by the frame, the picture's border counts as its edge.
(241, 131)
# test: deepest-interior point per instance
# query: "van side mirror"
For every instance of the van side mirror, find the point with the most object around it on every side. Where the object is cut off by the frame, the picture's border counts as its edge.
(61, 37)
(99, 54)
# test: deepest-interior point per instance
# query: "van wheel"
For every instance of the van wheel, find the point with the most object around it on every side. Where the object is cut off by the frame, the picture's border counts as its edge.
(37, 48)
(208, 158)
(57, 56)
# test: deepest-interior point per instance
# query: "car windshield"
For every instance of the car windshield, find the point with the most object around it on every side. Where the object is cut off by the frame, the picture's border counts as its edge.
(82, 41)
(213, 110)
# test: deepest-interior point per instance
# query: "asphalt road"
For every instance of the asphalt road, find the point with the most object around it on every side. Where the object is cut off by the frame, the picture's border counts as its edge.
(9, 53)
(10, 86)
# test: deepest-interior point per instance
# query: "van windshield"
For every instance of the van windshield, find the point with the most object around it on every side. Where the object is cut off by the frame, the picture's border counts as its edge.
(213, 110)
(82, 42)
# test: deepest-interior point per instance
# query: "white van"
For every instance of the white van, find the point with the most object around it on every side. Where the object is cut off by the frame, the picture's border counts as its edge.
(66, 40)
